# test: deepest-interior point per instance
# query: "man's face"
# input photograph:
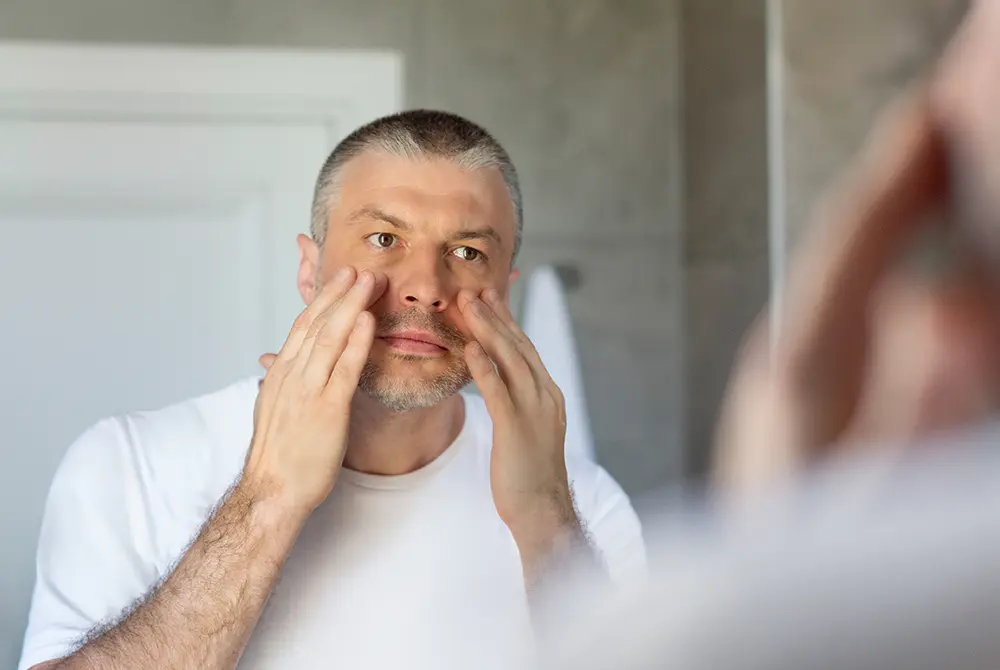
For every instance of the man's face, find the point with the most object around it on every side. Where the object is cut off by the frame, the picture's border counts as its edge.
(433, 229)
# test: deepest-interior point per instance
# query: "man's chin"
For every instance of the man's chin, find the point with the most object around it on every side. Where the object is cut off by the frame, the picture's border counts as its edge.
(406, 392)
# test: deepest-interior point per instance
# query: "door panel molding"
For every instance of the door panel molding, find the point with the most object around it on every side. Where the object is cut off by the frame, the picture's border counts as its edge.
(339, 89)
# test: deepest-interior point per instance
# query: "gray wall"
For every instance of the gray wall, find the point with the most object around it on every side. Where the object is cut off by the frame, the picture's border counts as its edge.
(584, 95)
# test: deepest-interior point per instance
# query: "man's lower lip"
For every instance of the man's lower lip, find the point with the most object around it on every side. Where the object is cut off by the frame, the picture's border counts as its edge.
(413, 346)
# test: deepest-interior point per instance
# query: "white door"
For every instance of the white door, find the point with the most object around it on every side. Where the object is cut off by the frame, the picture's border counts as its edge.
(149, 203)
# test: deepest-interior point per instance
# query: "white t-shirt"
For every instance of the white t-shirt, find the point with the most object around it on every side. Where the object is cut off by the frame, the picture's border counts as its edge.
(410, 571)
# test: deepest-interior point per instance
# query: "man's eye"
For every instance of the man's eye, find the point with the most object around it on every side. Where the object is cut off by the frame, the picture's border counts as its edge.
(382, 240)
(469, 254)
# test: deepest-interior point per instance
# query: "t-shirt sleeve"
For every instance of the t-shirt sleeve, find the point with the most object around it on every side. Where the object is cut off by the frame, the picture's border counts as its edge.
(610, 520)
(95, 552)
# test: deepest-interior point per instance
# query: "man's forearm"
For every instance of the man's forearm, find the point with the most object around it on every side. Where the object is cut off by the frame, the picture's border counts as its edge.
(202, 615)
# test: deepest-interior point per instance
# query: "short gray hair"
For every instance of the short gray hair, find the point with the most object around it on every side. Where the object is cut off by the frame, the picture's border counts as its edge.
(414, 134)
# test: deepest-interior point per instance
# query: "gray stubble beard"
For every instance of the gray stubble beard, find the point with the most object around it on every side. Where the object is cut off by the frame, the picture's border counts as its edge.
(404, 395)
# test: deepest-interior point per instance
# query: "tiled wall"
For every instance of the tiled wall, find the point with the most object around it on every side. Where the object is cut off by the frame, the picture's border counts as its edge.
(584, 94)
(725, 199)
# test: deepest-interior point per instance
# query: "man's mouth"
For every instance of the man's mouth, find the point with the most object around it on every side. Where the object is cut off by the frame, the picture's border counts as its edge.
(415, 342)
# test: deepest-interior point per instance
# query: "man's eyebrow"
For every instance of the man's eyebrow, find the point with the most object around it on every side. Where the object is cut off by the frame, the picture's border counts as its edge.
(485, 233)
(373, 213)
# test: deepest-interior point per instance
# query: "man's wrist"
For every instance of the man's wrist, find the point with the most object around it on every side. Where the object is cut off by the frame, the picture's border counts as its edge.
(268, 508)
(553, 544)
(547, 525)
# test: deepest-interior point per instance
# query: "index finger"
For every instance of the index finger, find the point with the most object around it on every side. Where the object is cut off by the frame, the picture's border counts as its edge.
(495, 338)
(499, 306)
(329, 295)
(504, 341)
(326, 338)
(500, 318)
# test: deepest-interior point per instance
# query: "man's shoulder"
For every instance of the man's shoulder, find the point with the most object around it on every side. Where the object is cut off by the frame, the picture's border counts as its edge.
(217, 413)
(173, 446)
(215, 416)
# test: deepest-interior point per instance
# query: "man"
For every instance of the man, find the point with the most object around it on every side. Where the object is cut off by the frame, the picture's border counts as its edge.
(407, 522)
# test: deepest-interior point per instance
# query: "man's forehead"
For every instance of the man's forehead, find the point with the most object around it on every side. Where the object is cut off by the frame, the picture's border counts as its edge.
(375, 168)
(381, 180)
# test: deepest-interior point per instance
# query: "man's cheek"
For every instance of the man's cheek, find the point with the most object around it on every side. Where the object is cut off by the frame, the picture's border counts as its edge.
(456, 319)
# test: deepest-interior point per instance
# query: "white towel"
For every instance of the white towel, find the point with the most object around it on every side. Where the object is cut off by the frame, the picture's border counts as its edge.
(546, 322)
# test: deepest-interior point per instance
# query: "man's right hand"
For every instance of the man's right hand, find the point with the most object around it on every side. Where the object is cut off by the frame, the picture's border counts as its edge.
(303, 409)
(205, 611)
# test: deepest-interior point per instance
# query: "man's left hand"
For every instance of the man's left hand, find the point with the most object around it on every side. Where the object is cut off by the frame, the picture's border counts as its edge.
(528, 464)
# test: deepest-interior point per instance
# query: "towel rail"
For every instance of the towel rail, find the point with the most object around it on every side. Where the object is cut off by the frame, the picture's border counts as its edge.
(569, 275)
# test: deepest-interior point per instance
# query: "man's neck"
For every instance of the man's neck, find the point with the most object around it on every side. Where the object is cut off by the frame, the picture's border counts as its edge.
(383, 442)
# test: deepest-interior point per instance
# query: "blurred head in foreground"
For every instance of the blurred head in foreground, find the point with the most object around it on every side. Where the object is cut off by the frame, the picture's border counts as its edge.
(858, 460)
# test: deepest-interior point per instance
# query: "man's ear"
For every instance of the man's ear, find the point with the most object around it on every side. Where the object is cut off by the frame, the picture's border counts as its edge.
(308, 268)
(514, 274)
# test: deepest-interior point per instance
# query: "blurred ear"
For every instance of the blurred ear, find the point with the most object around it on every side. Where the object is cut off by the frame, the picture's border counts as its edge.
(514, 274)
(308, 267)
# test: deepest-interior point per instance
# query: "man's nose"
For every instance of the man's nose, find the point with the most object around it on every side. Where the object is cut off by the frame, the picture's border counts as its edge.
(421, 282)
